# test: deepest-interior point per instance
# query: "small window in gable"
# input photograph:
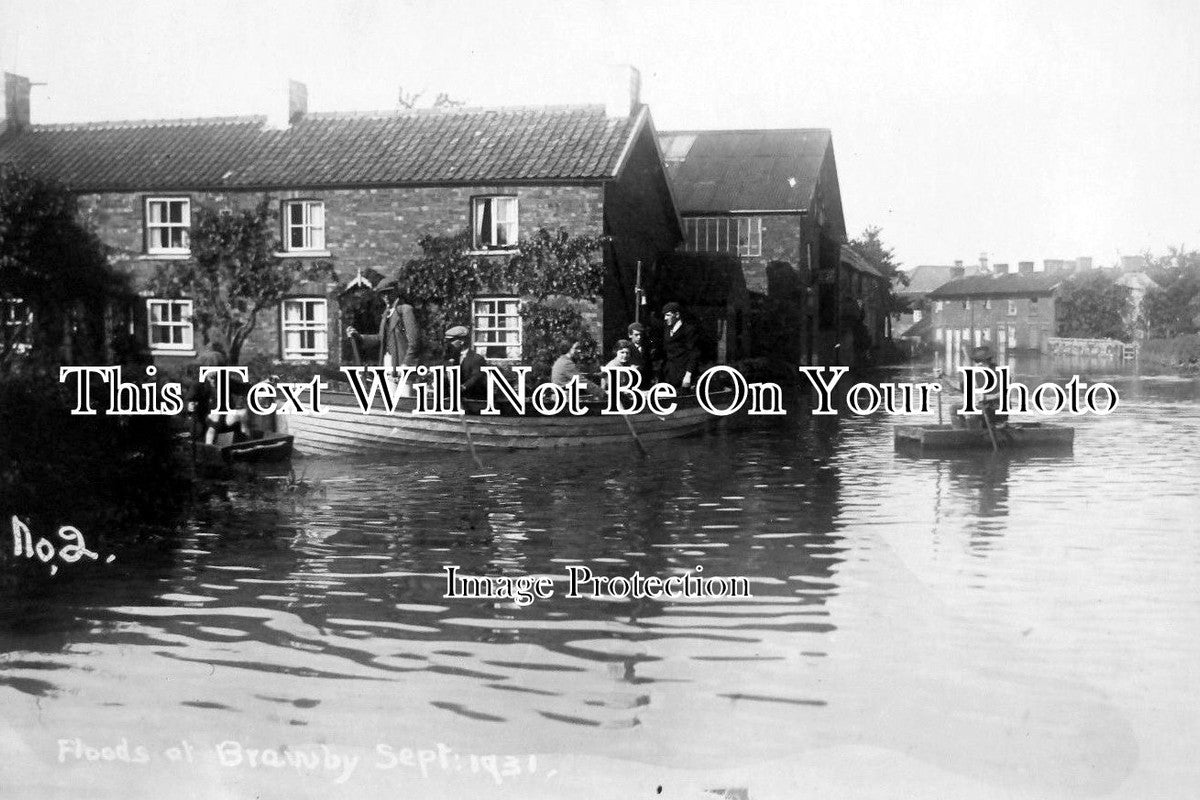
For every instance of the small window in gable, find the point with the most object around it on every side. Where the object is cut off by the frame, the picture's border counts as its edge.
(494, 222)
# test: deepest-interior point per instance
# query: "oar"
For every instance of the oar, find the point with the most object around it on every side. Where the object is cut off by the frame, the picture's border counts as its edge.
(637, 440)
(471, 443)
(987, 423)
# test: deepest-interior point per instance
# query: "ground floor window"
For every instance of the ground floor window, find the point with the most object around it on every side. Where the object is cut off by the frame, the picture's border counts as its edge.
(496, 328)
(16, 320)
(170, 326)
(304, 329)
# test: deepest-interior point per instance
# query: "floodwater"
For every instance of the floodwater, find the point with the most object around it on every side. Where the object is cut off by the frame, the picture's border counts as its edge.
(974, 627)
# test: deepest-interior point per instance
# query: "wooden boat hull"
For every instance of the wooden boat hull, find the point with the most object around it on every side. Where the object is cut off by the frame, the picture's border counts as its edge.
(1020, 435)
(344, 429)
(271, 448)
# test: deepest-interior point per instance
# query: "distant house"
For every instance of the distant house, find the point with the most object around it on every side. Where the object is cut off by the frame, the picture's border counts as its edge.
(913, 322)
(771, 199)
(360, 190)
(1014, 311)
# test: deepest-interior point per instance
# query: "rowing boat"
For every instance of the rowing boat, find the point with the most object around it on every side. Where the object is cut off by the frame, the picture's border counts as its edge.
(1017, 435)
(344, 429)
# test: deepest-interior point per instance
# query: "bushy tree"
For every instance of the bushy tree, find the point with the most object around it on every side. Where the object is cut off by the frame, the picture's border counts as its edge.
(234, 273)
(869, 244)
(53, 268)
(1091, 305)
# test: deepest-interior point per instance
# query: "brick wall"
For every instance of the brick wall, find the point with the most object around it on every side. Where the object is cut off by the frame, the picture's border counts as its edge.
(364, 228)
(1033, 323)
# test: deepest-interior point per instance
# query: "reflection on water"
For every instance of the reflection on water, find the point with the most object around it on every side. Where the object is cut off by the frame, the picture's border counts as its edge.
(987, 624)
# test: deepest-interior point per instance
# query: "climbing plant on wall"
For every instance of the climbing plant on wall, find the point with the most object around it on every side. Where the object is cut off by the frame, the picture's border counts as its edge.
(545, 267)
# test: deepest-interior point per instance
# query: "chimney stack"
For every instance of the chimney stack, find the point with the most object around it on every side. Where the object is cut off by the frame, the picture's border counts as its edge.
(1024, 266)
(16, 104)
(983, 264)
(292, 108)
(957, 271)
(1002, 269)
(624, 91)
(1084, 262)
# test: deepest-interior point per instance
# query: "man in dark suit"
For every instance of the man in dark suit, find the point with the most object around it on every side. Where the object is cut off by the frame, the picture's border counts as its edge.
(680, 349)
(459, 353)
(398, 335)
(641, 356)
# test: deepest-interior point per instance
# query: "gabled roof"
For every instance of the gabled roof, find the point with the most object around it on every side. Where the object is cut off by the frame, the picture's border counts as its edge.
(744, 170)
(1014, 284)
(858, 263)
(563, 143)
(924, 279)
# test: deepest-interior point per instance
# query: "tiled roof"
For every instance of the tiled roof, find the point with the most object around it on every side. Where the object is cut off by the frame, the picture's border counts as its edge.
(751, 170)
(856, 261)
(924, 279)
(1018, 283)
(387, 148)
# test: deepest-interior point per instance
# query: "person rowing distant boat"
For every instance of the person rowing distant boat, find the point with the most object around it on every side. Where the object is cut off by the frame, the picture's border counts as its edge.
(988, 402)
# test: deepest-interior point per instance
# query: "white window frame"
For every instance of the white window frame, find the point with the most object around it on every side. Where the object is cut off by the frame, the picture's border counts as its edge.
(939, 305)
(165, 225)
(987, 304)
(172, 324)
(496, 324)
(311, 226)
(311, 329)
(1012, 308)
(741, 236)
(507, 228)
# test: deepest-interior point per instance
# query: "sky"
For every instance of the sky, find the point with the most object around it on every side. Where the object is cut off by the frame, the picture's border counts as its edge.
(1026, 130)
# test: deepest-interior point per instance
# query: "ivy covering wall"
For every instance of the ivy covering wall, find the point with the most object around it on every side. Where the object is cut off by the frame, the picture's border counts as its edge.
(553, 272)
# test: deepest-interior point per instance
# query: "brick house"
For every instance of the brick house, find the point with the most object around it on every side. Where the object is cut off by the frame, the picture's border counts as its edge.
(1013, 311)
(360, 191)
(771, 198)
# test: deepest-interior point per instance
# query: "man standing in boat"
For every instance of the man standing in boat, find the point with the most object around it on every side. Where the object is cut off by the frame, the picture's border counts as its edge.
(398, 335)
(459, 353)
(680, 349)
(988, 403)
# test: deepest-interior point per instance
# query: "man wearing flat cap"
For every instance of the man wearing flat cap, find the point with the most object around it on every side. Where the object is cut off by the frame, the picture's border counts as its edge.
(680, 349)
(398, 335)
(460, 354)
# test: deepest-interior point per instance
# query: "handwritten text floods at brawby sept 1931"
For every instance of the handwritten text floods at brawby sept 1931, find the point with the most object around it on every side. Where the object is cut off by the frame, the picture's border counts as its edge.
(720, 391)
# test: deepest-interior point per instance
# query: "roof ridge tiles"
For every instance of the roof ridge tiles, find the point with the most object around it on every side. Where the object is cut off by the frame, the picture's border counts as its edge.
(452, 111)
(183, 122)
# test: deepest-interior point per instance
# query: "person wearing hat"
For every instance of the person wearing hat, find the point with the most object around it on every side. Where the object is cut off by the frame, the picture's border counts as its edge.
(459, 353)
(988, 403)
(398, 335)
(640, 355)
(680, 349)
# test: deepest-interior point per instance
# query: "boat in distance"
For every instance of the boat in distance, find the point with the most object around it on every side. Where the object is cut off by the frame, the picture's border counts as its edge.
(344, 429)
(1013, 436)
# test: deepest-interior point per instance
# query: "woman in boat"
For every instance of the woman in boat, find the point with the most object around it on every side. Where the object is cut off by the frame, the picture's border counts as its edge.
(622, 357)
